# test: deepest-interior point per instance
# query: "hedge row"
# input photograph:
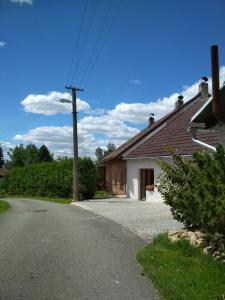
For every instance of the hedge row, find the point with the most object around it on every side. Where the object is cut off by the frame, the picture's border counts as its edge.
(51, 179)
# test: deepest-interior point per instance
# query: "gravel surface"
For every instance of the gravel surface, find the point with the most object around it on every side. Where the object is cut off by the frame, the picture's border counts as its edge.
(50, 251)
(145, 219)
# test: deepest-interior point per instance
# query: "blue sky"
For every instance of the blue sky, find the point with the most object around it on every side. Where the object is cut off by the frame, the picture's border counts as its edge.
(131, 58)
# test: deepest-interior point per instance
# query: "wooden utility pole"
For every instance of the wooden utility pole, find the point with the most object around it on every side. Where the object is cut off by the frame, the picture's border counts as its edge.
(76, 194)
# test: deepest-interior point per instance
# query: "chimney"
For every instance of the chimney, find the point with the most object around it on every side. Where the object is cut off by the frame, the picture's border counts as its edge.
(179, 102)
(151, 120)
(204, 88)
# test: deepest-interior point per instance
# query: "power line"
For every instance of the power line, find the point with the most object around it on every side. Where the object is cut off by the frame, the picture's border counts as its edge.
(77, 40)
(90, 18)
(97, 41)
(95, 55)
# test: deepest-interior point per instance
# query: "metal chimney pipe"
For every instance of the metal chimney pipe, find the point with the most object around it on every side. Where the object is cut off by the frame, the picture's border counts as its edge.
(215, 81)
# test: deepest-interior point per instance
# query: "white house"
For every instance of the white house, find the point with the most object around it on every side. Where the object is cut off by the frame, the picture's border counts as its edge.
(132, 170)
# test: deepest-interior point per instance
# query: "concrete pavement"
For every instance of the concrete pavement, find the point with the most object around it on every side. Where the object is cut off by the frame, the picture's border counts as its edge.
(146, 219)
(50, 251)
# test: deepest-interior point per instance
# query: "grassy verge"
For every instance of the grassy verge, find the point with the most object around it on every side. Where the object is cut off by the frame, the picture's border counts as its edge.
(55, 200)
(181, 272)
(102, 195)
(3, 206)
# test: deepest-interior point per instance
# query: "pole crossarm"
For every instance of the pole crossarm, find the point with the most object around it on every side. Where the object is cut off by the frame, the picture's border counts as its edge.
(73, 87)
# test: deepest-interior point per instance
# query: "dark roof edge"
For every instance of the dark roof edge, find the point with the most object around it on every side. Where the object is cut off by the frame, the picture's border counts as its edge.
(159, 122)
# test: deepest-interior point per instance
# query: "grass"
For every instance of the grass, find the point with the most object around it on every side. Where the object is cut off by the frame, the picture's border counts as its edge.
(55, 200)
(3, 206)
(102, 195)
(181, 272)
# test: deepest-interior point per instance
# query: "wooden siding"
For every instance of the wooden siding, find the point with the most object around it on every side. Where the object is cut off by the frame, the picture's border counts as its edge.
(116, 181)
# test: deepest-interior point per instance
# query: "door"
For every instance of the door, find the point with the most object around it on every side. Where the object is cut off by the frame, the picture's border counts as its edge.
(146, 178)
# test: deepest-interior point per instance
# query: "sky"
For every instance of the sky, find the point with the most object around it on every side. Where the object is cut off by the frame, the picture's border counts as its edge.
(132, 58)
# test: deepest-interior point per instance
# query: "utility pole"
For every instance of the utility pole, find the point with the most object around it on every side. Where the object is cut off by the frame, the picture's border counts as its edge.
(76, 194)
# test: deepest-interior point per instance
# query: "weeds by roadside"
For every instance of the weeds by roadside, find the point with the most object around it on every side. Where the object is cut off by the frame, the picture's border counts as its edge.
(182, 272)
(4, 206)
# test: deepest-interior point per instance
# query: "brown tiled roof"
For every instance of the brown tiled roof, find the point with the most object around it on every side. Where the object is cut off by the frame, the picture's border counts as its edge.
(117, 153)
(124, 147)
(175, 134)
(131, 142)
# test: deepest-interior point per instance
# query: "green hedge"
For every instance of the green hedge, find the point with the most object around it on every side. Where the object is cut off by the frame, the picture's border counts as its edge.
(51, 179)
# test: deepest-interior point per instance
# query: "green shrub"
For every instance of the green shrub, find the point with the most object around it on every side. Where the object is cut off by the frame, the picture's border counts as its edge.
(51, 179)
(195, 190)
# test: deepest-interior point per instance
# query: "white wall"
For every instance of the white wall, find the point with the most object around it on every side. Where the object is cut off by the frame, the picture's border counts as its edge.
(133, 177)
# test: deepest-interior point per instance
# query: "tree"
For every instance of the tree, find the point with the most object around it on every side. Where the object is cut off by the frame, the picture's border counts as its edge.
(31, 154)
(110, 148)
(44, 155)
(1, 158)
(99, 152)
(17, 156)
(21, 156)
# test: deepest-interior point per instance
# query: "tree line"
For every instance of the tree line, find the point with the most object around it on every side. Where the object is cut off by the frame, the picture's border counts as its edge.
(21, 155)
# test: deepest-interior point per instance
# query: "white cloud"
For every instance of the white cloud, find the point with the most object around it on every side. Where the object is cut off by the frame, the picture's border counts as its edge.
(93, 130)
(138, 113)
(2, 44)
(56, 138)
(108, 126)
(49, 104)
(59, 139)
(21, 2)
(98, 129)
(136, 81)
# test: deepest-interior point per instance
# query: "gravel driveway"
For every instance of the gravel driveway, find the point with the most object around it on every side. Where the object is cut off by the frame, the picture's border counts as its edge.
(145, 219)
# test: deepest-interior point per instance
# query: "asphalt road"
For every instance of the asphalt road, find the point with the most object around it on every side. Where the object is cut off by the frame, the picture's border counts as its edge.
(51, 251)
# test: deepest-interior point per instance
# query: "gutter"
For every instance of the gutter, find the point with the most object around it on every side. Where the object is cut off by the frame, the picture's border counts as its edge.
(193, 131)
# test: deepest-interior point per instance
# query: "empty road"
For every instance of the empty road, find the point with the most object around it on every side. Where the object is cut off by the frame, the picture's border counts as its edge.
(51, 251)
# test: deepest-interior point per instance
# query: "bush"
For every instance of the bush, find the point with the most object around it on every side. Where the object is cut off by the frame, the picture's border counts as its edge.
(195, 190)
(50, 179)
